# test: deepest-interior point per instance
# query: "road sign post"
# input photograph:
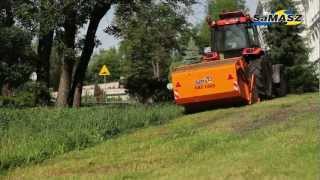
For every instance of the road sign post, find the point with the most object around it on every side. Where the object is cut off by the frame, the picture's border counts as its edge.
(104, 71)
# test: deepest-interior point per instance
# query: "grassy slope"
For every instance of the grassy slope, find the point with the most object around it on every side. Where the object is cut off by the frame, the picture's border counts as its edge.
(34, 135)
(272, 140)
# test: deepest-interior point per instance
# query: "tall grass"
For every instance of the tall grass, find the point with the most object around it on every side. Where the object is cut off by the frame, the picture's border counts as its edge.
(33, 135)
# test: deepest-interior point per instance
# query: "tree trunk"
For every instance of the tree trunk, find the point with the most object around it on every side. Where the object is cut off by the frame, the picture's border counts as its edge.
(6, 90)
(44, 52)
(68, 58)
(46, 34)
(64, 85)
(97, 14)
(77, 96)
(156, 69)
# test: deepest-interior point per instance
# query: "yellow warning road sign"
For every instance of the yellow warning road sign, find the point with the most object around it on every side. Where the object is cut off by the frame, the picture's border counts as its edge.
(104, 71)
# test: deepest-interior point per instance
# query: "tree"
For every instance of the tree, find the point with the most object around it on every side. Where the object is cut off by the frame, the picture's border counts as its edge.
(17, 60)
(99, 10)
(97, 13)
(68, 55)
(55, 67)
(114, 61)
(192, 53)
(216, 7)
(287, 47)
(59, 20)
(38, 18)
(150, 36)
(45, 40)
(7, 15)
(75, 14)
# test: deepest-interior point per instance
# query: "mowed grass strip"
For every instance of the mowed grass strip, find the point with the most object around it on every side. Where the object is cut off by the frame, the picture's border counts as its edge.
(33, 135)
(272, 140)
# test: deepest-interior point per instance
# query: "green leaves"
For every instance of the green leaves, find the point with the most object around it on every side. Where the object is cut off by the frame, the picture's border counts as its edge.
(113, 59)
(151, 32)
(218, 6)
(214, 9)
(288, 47)
(16, 56)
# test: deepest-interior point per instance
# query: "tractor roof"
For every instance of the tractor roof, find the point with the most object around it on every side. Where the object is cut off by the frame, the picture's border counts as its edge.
(228, 18)
(234, 14)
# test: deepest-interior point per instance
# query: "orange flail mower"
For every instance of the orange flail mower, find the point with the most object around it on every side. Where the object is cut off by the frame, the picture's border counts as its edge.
(213, 81)
(236, 70)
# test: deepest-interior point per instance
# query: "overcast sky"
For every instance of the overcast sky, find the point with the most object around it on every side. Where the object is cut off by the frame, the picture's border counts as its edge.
(198, 15)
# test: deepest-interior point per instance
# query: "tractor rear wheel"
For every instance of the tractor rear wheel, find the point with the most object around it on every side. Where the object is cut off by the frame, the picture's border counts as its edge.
(262, 69)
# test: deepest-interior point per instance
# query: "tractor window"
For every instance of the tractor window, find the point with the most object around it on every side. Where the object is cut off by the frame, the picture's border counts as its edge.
(253, 37)
(230, 37)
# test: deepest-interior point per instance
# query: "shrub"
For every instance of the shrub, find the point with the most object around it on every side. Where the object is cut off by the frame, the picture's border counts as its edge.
(29, 94)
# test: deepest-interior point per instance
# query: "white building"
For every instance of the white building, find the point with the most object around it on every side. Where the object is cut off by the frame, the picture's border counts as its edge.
(112, 89)
(312, 19)
(311, 11)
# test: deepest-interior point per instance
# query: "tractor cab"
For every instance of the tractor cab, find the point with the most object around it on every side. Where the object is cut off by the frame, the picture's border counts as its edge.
(233, 35)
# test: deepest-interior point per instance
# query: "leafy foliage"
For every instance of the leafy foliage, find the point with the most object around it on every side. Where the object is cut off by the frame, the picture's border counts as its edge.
(113, 59)
(288, 47)
(17, 59)
(192, 53)
(214, 9)
(151, 32)
(218, 6)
